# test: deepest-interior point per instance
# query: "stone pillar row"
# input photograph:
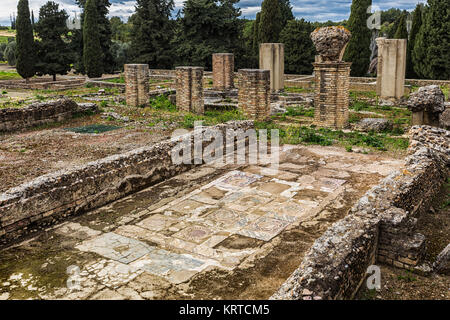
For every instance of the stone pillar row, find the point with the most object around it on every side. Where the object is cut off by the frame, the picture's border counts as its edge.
(137, 84)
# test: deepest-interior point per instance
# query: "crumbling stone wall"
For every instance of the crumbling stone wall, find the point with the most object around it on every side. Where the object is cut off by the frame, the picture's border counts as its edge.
(36, 114)
(223, 71)
(189, 86)
(254, 93)
(137, 84)
(379, 227)
(53, 197)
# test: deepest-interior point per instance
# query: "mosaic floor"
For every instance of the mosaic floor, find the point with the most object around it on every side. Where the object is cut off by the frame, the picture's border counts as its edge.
(183, 236)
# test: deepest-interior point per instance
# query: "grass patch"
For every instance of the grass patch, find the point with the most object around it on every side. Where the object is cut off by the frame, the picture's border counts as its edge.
(4, 75)
(297, 90)
(299, 111)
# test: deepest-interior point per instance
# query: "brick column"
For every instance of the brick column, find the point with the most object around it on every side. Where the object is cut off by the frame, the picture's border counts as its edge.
(254, 93)
(331, 94)
(391, 68)
(223, 71)
(137, 84)
(271, 57)
(189, 84)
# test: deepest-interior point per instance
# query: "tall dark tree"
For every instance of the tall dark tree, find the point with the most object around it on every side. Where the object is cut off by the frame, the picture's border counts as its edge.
(104, 33)
(271, 21)
(286, 12)
(25, 50)
(256, 37)
(32, 19)
(92, 50)
(358, 49)
(207, 26)
(432, 48)
(54, 55)
(299, 49)
(415, 28)
(152, 33)
(402, 31)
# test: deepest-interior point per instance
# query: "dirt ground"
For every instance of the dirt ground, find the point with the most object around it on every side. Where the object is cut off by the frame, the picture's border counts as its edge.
(28, 155)
(398, 284)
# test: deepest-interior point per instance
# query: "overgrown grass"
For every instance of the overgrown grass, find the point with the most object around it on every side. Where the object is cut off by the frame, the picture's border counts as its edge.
(7, 75)
(326, 137)
(297, 90)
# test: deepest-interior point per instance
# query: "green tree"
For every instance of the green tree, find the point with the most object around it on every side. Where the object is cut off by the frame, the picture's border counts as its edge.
(271, 21)
(25, 49)
(120, 31)
(92, 50)
(104, 34)
(299, 49)
(358, 49)
(207, 26)
(401, 32)
(256, 37)
(286, 12)
(10, 53)
(432, 47)
(415, 28)
(152, 33)
(54, 55)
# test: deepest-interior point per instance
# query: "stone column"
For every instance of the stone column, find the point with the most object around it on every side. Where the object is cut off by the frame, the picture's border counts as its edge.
(189, 84)
(331, 94)
(223, 71)
(137, 84)
(271, 57)
(391, 68)
(254, 93)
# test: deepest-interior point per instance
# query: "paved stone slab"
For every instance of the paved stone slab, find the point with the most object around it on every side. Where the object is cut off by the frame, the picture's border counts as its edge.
(116, 247)
(264, 228)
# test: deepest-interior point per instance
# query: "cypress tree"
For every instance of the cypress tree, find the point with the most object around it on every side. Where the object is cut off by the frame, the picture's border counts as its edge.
(401, 32)
(415, 28)
(358, 49)
(25, 50)
(32, 19)
(271, 21)
(432, 48)
(286, 12)
(152, 33)
(92, 51)
(54, 56)
(256, 38)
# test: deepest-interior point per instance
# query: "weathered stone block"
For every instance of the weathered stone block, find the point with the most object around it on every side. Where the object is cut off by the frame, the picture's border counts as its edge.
(223, 71)
(271, 57)
(189, 83)
(137, 85)
(254, 93)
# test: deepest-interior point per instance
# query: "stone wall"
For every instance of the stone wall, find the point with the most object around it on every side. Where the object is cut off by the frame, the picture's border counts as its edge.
(137, 84)
(254, 93)
(36, 114)
(332, 94)
(53, 197)
(223, 71)
(378, 228)
(189, 86)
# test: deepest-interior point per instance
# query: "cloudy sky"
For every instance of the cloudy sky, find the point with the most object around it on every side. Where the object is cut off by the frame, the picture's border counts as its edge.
(311, 10)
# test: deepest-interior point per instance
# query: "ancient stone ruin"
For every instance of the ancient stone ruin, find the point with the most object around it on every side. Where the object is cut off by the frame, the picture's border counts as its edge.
(332, 77)
(189, 84)
(391, 68)
(223, 71)
(254, 93)
(271, 57)
(137, 84)
(426, 105)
